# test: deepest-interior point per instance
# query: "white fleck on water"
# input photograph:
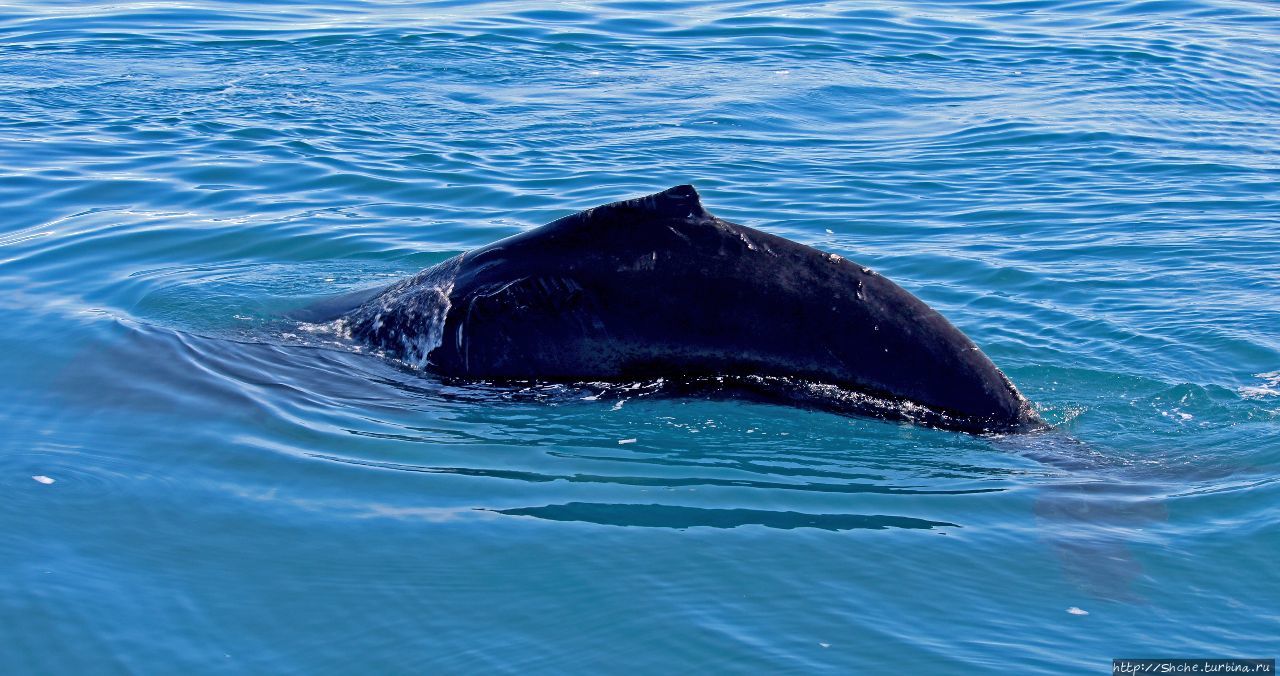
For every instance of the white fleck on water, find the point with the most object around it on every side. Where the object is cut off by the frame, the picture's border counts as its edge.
(40, 478)
(1269, 388)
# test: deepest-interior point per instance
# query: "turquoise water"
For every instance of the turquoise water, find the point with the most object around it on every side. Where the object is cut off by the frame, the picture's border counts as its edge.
(1089, 188)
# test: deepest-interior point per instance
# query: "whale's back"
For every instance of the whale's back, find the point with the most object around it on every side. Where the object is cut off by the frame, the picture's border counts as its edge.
(657, 287)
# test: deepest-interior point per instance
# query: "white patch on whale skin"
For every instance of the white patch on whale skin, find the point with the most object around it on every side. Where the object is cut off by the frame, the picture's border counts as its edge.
(419, 347)
(408, 319)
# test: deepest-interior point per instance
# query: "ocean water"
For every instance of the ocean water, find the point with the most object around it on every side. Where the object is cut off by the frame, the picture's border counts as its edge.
(192, 482)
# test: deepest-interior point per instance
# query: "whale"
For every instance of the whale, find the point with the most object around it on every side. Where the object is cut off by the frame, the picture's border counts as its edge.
(656, 289)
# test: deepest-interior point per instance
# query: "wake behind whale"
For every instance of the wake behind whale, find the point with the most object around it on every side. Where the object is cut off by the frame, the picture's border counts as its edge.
(656, 289)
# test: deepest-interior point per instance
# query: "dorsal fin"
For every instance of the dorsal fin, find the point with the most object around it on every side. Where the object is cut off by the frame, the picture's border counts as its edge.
(680, 202)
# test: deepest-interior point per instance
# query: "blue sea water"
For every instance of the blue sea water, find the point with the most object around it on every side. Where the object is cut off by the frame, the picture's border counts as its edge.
(189, 481)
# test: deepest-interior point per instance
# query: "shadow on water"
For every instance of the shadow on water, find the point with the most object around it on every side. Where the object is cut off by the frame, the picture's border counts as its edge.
(1092, 528)
(1092, 516)
(658, 482)
(671, 516)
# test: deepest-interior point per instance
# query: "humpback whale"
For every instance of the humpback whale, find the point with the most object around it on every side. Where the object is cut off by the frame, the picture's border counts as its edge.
(657, 289)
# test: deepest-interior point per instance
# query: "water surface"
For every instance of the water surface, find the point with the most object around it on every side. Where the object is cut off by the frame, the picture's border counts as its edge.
(190, 481)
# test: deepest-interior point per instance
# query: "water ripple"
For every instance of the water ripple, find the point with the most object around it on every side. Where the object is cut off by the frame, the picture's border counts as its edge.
(1088, 188)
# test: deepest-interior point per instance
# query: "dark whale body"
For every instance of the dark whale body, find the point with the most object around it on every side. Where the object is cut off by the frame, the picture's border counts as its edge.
(656, 288)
